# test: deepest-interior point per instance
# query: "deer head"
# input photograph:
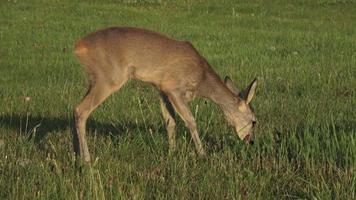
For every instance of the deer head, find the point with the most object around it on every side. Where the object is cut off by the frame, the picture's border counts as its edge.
(241, 116)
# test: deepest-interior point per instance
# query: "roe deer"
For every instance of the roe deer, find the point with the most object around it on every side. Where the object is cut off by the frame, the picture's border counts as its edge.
(114, 55)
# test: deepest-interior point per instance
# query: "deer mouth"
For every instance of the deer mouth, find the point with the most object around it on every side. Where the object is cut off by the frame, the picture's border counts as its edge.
(248, 139)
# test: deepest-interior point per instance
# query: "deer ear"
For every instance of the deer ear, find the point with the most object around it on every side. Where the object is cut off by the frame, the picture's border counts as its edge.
(250, 91)
(229, 84)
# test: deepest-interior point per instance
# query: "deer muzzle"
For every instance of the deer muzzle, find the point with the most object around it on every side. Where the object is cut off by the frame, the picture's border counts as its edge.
(248, 139)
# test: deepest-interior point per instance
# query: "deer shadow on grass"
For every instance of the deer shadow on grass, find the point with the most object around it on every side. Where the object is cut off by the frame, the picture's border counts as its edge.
(38, 127)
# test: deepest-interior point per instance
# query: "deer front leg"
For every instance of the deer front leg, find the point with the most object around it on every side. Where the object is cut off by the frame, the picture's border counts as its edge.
(169, 119)
(180, 105)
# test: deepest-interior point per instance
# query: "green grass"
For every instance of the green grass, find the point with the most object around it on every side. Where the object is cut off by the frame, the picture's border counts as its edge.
(304, 53)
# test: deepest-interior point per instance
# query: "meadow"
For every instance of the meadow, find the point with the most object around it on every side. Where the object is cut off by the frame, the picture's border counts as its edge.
(303, 53)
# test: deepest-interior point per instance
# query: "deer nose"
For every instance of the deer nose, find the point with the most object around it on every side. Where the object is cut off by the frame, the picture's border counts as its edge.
(254, 123)
(248, 139)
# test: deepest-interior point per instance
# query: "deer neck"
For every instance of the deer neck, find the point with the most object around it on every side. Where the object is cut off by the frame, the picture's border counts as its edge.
(214, 89)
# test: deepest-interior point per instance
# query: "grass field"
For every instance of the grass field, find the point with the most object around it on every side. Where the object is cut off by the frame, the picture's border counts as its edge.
(303, 52)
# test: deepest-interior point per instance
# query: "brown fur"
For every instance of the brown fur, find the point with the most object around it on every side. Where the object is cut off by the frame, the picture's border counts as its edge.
(114, 55)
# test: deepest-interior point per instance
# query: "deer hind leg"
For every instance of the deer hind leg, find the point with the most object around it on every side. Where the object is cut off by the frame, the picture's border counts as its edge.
(181, 106)
(98, 91)
(95, 95)
(169, 118)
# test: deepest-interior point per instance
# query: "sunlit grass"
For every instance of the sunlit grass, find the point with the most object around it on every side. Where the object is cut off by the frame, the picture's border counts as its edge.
(303, 53)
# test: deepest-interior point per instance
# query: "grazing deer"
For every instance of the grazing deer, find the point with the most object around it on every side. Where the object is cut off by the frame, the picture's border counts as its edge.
(114, 55)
